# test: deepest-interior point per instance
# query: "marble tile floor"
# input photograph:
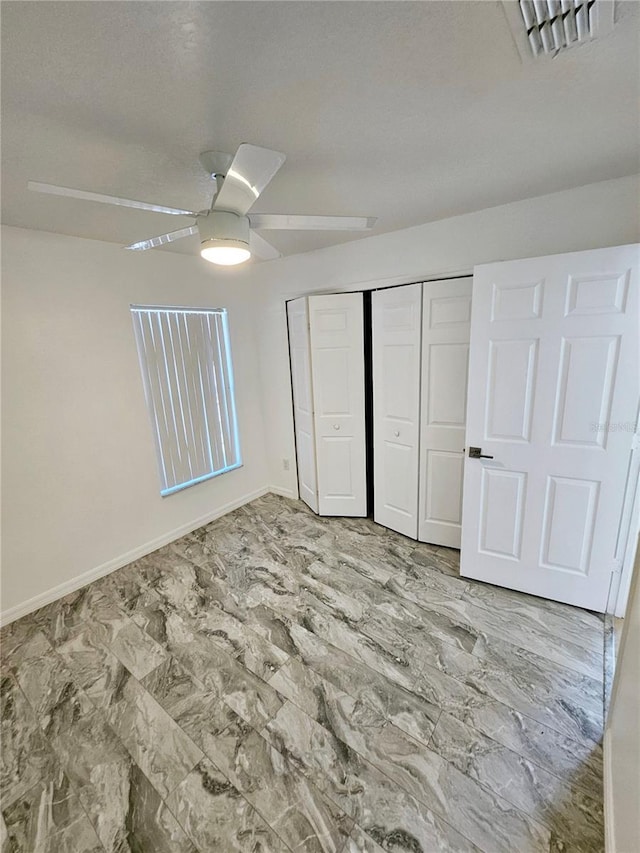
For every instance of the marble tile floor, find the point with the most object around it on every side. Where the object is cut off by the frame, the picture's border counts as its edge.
(276, 681)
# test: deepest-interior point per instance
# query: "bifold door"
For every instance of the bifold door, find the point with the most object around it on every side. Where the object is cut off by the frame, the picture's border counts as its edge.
(337, 371)
(396, 319)
(446, 321)
(326, 343)
(553, 396)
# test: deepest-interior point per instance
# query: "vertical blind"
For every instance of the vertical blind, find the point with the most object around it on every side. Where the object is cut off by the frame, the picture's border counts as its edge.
(187, 374)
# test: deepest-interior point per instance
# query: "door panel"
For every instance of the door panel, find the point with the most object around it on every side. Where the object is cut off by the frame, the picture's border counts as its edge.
(299, 350)
(447, 384)
(512, 375)
(337, 475)
(587, 371)
(396, 317)
(568, 526)
(502, 508)
(398, 476)
(445, 367)
(553, 396)
(337, 367)
(444, 486)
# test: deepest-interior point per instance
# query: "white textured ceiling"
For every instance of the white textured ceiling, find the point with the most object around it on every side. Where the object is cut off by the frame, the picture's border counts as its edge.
(408, 111)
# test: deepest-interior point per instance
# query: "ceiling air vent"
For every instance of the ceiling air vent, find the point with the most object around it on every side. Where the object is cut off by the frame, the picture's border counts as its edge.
(547, 27)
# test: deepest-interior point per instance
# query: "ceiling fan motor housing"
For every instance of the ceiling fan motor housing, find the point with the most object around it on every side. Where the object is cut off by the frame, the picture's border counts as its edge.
(222, 226)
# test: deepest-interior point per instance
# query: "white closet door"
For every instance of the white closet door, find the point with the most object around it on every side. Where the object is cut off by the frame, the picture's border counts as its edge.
(553, 396)
(300, 353)
(337, 368)
(446, 321)
(396, 315)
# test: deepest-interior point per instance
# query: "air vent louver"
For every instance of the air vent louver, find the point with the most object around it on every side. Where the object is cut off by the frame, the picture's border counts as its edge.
(552, 26)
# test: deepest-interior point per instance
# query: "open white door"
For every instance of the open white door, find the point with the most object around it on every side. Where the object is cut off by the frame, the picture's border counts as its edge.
(337, 369)
(553, 396)
(299, 350)
(396, 316)
(446, 321)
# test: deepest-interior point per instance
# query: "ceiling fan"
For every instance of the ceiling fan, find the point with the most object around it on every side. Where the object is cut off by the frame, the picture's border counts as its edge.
(227, 233)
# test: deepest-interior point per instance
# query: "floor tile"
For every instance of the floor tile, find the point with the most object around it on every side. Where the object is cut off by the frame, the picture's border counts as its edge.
(581, 627)
(279, 681)
(26, 758)
(59, 618)
(99, 767)
(217, 816)
(14, 635)
(295, 808)
(30, 647)
(565, 810)
(150, 612)
(49, 685)
(334, 751)
(247, 694)
(576, 761)
(98, 671)
(373, 595)
(6, 845)
(137, 650)
(360, 842)
(198, 711)
(155, 742)
(306, 687)
(50, 818)
(149, 824)
(126, 583)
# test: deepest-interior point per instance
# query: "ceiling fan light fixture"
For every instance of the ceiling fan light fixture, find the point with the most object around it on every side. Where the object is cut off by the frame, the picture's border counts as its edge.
(225, 230)
(226, 253)
(224, 238)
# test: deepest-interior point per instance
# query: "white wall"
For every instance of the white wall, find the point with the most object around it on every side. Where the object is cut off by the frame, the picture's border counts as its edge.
(594, 216)
(622, 736)
(80, 487)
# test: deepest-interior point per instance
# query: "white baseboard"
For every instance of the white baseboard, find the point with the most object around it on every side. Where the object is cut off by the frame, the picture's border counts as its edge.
(284, 493)
(609, 825)
(13, 613)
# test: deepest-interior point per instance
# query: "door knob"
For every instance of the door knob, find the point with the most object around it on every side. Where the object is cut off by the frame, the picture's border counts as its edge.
(396, 432)
(476, 453)
(336, 426)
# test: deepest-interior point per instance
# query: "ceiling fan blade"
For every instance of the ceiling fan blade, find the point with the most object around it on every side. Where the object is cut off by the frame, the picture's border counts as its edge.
(279, 221)
(249, 173)
(261, 248)
(37, 187)
(171, 237)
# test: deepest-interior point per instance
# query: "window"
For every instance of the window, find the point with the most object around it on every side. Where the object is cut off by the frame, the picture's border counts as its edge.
(185, 361)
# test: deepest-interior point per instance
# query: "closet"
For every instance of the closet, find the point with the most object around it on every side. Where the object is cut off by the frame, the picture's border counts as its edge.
(547, 365)
(415, 372)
